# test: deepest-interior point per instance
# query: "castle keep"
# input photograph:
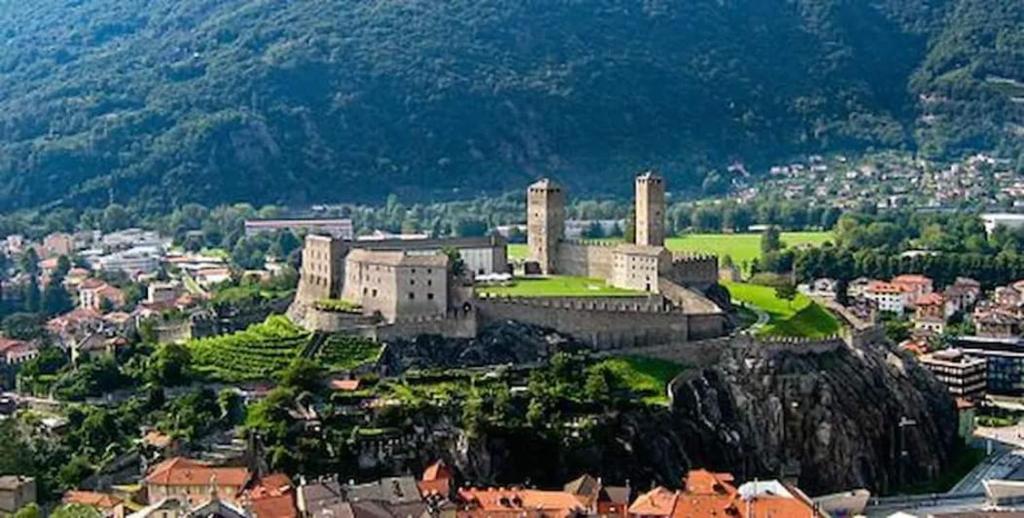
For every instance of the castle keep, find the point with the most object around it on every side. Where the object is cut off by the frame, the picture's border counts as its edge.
(406, 288)
(644, 266)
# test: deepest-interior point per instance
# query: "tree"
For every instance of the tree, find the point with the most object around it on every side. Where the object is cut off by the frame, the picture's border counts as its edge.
(455, 262)
(23, 326)
(303, 375)
(29, 511)
(115, 217)
(33, 299)
(170, 365)
(786, 291)
(597, 387)
(75, 511)
(770, 240)
(56, 299)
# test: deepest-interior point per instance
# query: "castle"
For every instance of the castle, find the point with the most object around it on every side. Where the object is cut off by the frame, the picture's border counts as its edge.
(386, 289)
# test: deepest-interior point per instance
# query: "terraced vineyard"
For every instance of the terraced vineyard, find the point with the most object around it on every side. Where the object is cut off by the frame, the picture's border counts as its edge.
(258, 352)
(345, 352)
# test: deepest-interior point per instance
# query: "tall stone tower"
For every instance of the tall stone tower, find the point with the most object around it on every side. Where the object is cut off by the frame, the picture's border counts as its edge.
(545, 203)
(650, 210)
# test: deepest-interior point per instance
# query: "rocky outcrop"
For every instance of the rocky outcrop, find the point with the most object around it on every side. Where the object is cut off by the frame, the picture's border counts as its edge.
(830, 420)
(503, 343)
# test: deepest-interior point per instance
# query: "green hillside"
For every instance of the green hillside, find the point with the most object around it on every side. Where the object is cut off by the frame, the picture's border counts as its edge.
(159, 102)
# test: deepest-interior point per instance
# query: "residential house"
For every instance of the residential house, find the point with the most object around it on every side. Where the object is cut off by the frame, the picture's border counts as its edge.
(888, 297)
(58, 244)
(706, 493)
(16, 492)
(599, 499)
(823, 288)
(96, 294)
(437, 479)
(16, 352)
(963, 293)
(916, 286)
(996, 323)
(320, 498)
(212, 507)
(517, 503)
(932, 311)
(108, 506)
(1007, 296)
(194, 481)
(856, 288)
(272, 496)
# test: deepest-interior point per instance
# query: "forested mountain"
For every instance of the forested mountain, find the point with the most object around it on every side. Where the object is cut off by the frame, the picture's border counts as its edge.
(158, 102)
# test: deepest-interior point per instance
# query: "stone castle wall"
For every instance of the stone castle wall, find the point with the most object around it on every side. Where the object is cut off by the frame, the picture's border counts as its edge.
(693, 270)
(602, 324)
(581, 259)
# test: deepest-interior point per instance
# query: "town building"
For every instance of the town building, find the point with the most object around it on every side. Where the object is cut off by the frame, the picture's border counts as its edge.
(821, 288)
(97, 295)
(706, 493)
(340, 228)
(963, 293)
(964, 376)
(16, 492)
(133, 262)
(1004, 361)
(132, 238)
(58, 244)
(517, 502)
(194, 482)
(16, 352)
(931, 312)
(108, 506)
(887, 296)
(996, 323)
(480, 255)
(916, 286)
(1009, 221)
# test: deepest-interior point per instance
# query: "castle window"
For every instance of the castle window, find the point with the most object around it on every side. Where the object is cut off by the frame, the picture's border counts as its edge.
(430, 296)
(375, 293)
(414, 270)
(430, 282)
(412, 281)
(429, 271)
(412, 296)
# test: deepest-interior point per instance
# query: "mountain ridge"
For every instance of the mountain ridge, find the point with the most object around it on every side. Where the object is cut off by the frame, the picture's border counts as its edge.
(157, 103)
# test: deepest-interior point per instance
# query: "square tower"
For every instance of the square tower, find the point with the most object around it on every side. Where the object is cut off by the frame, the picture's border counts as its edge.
(650, 210)
(545, 205)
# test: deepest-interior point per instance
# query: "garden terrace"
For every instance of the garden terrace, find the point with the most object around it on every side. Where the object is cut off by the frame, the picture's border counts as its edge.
(258, 352)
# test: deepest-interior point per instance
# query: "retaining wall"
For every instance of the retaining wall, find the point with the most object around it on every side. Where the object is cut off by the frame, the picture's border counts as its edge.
(603, 326)
(584, 260)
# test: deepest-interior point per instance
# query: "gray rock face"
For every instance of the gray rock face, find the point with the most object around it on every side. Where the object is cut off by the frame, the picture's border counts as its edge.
(830, 420)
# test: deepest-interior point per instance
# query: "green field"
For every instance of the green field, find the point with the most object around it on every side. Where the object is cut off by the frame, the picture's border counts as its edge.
(555, 286)
(345, 352)
(800, 317)
(645, 377)
(741, 247)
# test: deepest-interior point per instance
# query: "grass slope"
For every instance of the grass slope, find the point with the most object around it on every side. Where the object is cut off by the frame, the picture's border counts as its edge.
(801, 317)
(741, 247)
(256, 353)
(645, 377)
(556, 286)
(345, 352)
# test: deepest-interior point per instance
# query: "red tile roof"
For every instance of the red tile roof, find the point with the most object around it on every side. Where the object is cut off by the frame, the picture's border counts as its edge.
(180, 471)
(930, 299)
(437, 479)
(273, 496)
(656, 502)
(98, 500)
(503, 502)
(344, 385)
(912, 279)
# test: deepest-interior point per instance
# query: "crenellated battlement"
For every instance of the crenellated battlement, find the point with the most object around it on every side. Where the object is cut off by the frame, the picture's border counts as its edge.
(645, 305)
(602, 243)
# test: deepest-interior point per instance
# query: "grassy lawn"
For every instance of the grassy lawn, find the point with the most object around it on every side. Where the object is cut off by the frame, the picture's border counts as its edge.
(556, 286)
(646, 377)
(800, 317)
(741, 247)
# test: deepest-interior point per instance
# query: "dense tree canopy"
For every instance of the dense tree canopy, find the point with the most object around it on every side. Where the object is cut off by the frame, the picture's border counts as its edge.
(155, 103)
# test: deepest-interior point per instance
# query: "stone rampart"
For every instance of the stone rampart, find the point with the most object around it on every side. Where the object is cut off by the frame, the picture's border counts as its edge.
(457, 323)
(583, 259)
(603, 325)
(693, 269)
